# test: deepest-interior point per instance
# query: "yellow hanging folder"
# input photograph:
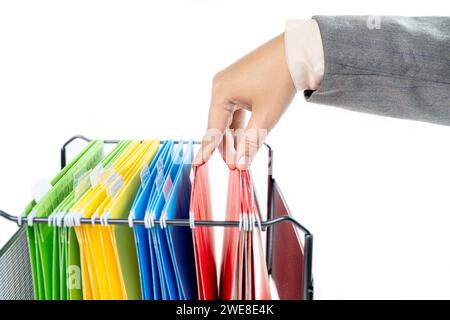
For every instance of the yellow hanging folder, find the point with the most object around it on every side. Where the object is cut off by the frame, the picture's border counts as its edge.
(87, 203)
(125, 248)
(103, 260)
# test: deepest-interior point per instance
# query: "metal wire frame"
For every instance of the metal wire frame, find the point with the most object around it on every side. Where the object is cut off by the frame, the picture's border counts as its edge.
(266, 225)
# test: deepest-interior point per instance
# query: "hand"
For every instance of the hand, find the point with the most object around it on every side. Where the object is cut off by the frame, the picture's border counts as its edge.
(260, 83)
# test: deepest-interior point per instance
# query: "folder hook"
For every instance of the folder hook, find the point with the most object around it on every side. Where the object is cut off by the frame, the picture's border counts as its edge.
(59, 218)
(31, 217)
(20, 218)
(94, 216)
(162, 221)
(191, 220)
(106, 217)
(147, 220)
(130, 219)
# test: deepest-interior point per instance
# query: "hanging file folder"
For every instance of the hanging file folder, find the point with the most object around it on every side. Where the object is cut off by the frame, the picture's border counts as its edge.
(200, 209)
(138, 212)
(41, 234)
(244, 274)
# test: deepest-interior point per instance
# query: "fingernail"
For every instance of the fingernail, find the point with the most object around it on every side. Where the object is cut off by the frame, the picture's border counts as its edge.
(243, 163)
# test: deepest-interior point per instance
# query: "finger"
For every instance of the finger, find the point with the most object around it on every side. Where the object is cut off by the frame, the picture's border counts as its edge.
(219, 118)
(238, 124)
(250, 142)
(227, 149)
(228, 145)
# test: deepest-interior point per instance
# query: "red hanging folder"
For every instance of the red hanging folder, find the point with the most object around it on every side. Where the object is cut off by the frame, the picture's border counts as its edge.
(244, 273)
(203, 237)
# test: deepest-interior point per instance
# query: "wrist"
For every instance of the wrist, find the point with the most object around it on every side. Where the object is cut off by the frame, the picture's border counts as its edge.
(304, 53)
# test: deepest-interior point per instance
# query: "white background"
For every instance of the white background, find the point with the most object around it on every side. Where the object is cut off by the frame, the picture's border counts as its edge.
(374, 191)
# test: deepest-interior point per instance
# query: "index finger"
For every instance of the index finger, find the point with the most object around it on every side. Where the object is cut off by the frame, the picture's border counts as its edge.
(219, 119)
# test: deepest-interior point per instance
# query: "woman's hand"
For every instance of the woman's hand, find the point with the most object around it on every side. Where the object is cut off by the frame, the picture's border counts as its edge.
(259, 82)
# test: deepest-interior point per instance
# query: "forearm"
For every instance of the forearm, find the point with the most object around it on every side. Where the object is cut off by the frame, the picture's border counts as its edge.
(394, 66)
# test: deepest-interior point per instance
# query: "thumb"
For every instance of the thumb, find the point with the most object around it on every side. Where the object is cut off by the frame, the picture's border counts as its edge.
(249, 143)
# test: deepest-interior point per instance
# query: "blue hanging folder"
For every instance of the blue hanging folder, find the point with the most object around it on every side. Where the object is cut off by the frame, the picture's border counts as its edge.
(179, 239)
(160, 289)
(166, 274)
(166, 255)
(138, 212)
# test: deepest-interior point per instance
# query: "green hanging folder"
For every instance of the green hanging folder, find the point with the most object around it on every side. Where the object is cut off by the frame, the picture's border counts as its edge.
(39, 293)
(71, 268)
(54, 252)
(58, 249)
(41, 235)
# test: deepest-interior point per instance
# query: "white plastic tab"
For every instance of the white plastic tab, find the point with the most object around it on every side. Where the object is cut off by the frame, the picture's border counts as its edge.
(144, 174)
(151, 218)
(20, 218)
(112, 177)
(102, 218)
(93, 217)
(50, 219)
(147, 220)
(159, 165)
(95, 175)
(77, 218)
(66, 219)
(245, 218)
(31, 217)
(70, 219)
(191, 220)
(105, 218)
(115, 187)
(130, 219)
(162, 220)
(159, 180)
(60, 218)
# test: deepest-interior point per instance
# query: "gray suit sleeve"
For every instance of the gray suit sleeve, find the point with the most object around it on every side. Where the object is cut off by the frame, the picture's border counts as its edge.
(391, 66)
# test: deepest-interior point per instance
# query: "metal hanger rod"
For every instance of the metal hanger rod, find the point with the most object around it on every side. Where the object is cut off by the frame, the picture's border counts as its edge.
(169, 222)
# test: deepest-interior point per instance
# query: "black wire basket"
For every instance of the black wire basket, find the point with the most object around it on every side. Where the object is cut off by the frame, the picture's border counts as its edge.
(289, 245)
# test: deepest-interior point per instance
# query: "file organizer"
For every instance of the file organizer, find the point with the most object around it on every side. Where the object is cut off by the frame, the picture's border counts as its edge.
(289, 245)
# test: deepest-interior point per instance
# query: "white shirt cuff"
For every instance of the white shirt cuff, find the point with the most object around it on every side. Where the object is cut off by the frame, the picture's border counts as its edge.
(304, 53)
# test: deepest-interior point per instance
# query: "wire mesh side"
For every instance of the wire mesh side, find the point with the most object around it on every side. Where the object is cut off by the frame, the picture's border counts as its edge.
(16, 281)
